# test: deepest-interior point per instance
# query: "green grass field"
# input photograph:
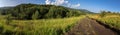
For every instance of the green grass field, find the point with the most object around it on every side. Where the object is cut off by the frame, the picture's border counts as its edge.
(112, 20)
(38, 27)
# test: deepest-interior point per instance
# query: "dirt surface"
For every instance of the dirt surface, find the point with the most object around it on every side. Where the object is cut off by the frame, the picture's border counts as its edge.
(88, 26)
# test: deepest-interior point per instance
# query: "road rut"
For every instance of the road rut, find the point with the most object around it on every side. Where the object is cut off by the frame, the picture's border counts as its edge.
(88, 26)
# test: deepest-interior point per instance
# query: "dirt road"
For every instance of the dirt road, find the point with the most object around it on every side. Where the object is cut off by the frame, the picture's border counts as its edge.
(89, 27)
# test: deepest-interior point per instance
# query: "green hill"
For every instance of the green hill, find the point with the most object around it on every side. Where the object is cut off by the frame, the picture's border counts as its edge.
(34, 11)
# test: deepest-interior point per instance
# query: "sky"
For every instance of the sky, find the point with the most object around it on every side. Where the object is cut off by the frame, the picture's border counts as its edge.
(91, 5)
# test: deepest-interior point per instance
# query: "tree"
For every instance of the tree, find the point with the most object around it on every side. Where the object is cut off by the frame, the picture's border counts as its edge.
(109, 11)
(35, 15)
(102, 14)
(8, 19)
(51, 13)
(0, 12)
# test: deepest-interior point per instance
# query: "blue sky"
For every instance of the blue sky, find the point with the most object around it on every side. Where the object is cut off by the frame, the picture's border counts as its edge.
(91, 5)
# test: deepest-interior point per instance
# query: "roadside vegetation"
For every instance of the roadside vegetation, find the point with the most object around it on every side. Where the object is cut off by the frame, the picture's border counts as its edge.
(37, 27)
(111, 19)
(113, 22)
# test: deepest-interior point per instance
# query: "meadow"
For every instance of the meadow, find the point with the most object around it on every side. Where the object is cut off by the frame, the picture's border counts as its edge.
(112, 21)
(37, 27)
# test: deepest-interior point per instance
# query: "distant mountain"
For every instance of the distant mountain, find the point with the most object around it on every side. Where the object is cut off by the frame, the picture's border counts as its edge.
(83, 11)
(4, 10)
(6, 7)
(86, 11)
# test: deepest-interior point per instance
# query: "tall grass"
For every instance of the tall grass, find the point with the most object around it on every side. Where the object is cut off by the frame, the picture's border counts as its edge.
(38, 27)
(112, 20)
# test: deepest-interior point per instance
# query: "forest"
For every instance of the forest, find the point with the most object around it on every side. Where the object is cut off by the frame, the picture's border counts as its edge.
(34, 11)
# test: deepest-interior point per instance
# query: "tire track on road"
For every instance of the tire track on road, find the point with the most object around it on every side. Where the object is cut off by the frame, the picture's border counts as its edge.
(88, 26)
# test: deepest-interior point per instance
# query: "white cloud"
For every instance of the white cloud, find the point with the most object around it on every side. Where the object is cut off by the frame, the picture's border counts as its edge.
(66, 1)
(47, 2)
(56, 2)
(75, 6)
(62, 2)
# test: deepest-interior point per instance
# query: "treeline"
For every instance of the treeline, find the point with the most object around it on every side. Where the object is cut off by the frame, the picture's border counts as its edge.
(34, 11)
(104, 13)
